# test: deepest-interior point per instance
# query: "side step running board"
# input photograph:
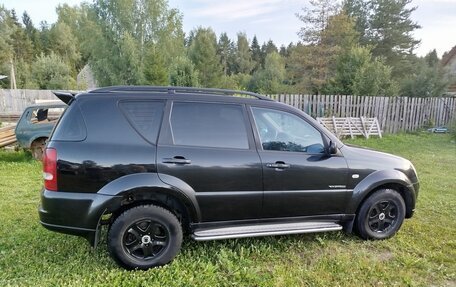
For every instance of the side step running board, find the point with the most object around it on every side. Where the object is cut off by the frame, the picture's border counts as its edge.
(264, 230)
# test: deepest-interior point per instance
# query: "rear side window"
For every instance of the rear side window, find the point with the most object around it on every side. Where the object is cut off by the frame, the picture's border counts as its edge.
(71, 126)
(209, 125)
(44, 115)
(144, 116)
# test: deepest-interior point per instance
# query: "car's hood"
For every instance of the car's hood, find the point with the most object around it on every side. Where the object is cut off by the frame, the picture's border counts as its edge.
(366, 159)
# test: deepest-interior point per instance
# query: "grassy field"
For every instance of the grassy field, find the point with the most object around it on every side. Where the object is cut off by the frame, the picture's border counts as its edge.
(423, 253)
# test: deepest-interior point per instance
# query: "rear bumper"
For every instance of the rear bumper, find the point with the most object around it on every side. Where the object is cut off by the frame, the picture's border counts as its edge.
(74, 213)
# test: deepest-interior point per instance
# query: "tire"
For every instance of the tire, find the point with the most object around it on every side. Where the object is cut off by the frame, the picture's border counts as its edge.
(37, 148)
(381, 215)
(144, 236)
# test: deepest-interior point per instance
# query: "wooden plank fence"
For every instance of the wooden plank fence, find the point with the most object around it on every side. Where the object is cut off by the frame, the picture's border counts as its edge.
(395, 114)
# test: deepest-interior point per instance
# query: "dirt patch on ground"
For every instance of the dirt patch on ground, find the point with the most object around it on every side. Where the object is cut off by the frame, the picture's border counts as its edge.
(385, 256)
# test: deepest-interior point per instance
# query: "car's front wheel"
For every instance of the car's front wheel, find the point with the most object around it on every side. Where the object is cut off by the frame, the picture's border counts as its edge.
(381, 215)
(144, 236)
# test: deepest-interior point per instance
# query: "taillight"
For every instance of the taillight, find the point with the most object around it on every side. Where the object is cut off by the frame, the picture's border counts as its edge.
(50, 169)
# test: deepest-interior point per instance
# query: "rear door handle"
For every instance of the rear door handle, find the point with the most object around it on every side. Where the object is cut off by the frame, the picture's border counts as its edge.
(278, 165)
(177, 160)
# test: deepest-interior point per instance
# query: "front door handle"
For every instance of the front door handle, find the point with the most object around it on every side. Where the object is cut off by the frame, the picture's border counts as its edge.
(177, 160)
(278, 165)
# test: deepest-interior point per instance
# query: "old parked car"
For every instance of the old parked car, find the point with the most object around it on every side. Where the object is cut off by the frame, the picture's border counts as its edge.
(35, 126)
(155, 163)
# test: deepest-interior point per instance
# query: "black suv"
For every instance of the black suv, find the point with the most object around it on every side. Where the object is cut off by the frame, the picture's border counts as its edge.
(154, 163)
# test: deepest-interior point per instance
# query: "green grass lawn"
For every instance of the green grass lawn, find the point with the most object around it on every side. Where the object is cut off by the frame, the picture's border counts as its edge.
(423, 253)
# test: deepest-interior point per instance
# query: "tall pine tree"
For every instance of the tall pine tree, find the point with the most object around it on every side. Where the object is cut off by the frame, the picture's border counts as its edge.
(256, 53)
(203, 53)
(386, 25)
(244, 62)
(225, 50)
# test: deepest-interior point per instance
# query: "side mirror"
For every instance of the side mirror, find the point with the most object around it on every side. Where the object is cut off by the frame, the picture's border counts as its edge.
(332, 148)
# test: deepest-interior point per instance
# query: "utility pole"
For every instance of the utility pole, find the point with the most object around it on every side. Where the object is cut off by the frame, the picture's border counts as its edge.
(12, 76)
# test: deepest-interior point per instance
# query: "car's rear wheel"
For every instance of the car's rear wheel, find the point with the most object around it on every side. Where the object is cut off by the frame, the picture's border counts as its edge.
(381, 215)
(37, 148)
(144, 236)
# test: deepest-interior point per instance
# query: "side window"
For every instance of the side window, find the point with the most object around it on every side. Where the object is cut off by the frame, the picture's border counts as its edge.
(144, 116)
(44, 115)
(282, 131)
(71, 126)
(209, 125)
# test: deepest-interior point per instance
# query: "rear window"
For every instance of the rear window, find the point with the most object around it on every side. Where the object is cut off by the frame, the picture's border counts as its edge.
(144, 116)
(71, 126)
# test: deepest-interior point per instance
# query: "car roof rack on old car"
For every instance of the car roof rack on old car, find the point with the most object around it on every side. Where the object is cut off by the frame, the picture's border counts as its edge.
(180, 90)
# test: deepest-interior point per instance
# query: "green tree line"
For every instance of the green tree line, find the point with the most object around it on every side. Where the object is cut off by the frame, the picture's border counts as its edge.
(359, 47)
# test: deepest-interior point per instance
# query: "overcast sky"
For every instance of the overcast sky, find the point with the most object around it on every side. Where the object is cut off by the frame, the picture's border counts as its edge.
(271, 19)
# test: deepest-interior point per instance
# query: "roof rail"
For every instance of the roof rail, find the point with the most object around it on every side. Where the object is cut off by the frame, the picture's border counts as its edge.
(179, 90)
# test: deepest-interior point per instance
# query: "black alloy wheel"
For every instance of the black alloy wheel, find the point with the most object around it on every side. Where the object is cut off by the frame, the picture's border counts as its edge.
(381, 215)
(144, 236)
(145, 239)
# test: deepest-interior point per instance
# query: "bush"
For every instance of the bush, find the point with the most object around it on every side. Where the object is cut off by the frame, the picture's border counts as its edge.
(424, 81)
(50, 72)
(183, 73)
(374, 79)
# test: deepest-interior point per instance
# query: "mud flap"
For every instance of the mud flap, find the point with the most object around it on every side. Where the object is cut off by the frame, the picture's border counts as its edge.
(94, 237)
(348, 226)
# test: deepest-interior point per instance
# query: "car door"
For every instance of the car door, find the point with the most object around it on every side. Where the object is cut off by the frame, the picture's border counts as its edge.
(210, 147)
(299, 177)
